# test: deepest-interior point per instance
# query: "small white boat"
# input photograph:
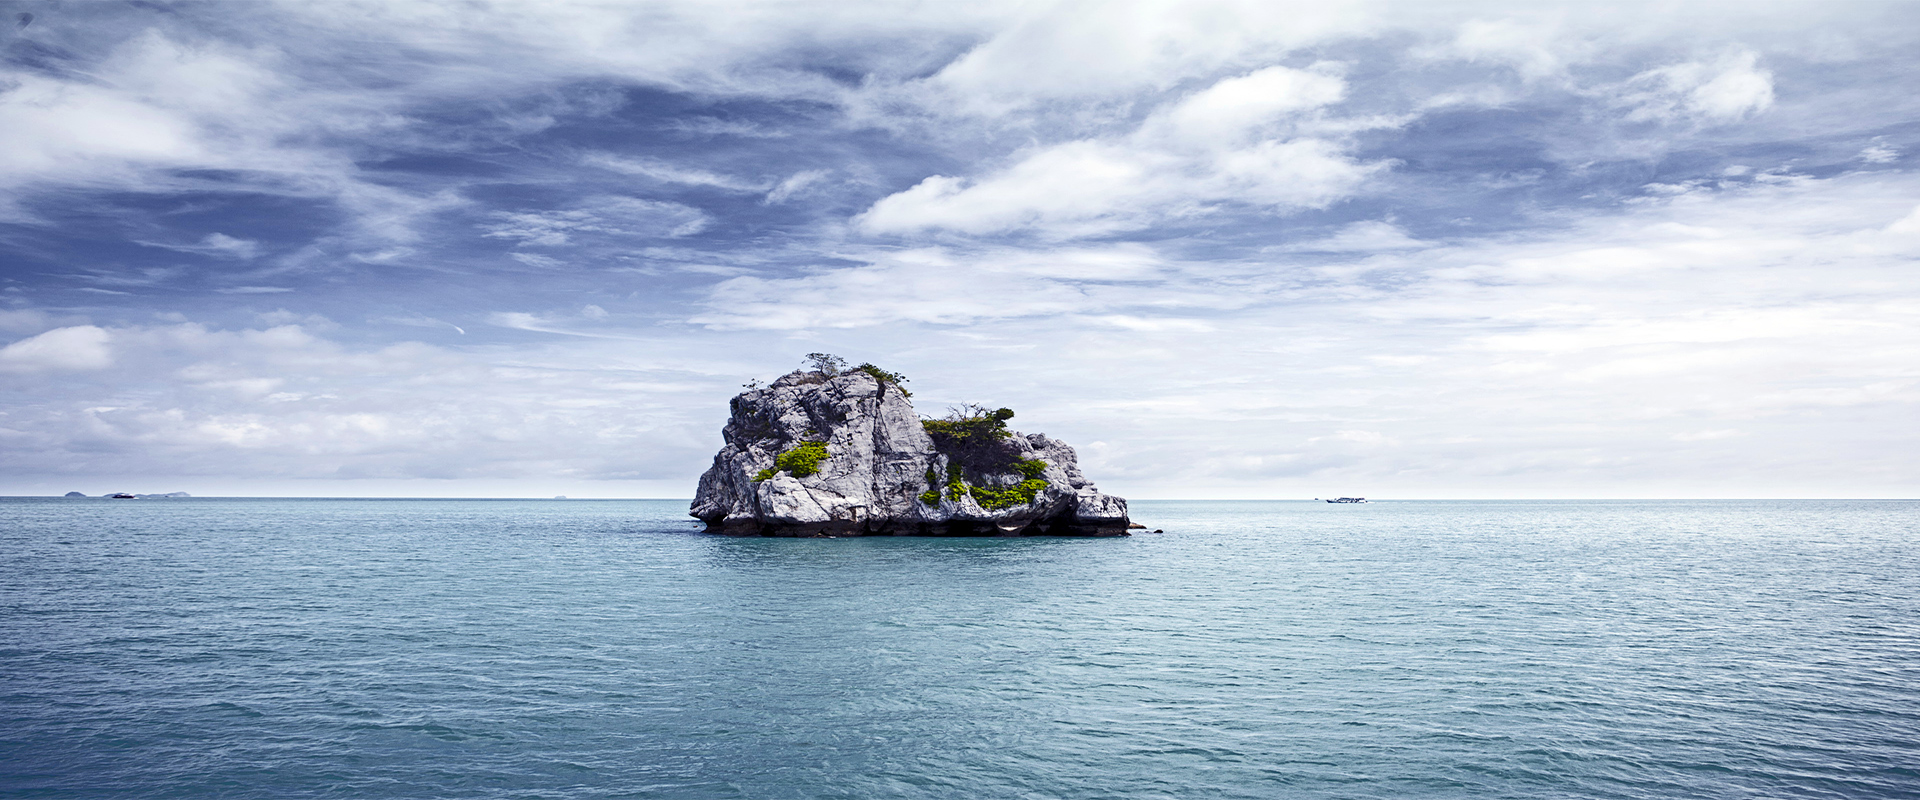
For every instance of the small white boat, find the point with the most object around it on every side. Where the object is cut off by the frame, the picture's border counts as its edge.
(1349, 500)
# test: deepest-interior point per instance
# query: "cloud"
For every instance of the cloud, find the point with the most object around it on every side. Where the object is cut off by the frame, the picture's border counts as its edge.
(609, 215)
(1730, 88)
(104, 130)
(229, 245)
(1365, 438)
(1083, 50)
(1234, 109)
(562, 323)
(26, 320)
(664, 172)
(1360, 237)
(1228, 143)
(1512, 241)
(1707, 435)
(933, 286)
(1532, 48)
(192, 403)
(537, 260)
(156, 114)
(1582, 353)
(708, 126)
(1906, 226)
(80, 347)
(1879, 153)
(216, 244)
(795, 184)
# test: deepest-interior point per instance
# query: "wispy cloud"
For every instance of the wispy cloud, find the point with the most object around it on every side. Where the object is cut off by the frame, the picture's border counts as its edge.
(795, 184)
(1726, 89)
(193, 402)
(665, 172)
(609, 215)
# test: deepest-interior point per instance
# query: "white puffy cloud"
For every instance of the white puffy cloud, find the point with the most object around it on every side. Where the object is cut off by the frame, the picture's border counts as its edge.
(52, 129)
(1229, 143)
(153, 103)
(1075, 188)
(80, 347)
(1234, 109)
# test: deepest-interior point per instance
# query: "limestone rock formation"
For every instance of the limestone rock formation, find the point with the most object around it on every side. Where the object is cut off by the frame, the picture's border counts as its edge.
(846, 455)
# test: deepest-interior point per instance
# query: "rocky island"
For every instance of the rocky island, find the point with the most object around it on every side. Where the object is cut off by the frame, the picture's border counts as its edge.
(841, 452)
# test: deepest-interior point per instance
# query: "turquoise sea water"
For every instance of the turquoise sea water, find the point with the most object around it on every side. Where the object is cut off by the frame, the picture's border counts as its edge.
(561, 649)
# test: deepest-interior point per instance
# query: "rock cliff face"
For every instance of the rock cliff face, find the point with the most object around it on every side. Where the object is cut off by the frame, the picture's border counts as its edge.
(883, 474)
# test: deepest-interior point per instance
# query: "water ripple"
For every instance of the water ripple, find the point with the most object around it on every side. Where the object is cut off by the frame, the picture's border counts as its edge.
(496, 649)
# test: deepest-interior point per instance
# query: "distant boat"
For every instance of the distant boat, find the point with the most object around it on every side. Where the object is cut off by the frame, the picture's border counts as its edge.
(1349, 500)
(121, 496)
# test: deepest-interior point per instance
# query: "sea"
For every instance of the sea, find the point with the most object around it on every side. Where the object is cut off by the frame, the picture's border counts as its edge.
(305, 648)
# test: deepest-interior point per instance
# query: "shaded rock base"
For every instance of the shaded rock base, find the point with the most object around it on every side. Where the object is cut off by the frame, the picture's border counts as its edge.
(1063, 527)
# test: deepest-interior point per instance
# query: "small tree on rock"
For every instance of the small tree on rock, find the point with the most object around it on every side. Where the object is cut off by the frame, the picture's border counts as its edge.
(827, 363)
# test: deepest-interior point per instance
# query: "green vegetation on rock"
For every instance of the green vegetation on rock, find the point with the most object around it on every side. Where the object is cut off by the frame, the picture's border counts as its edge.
(932, 495)
(992, 498)
(970, 424)
(973, 437)
(1021, 493)
(886, 378)
(956, 484)
(829, 366)
(801, 461)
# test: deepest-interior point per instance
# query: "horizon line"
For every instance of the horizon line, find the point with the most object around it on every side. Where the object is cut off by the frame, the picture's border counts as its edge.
(154, 496)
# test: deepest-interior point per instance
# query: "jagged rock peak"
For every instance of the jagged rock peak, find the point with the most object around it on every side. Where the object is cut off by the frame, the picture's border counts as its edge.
(842, 453)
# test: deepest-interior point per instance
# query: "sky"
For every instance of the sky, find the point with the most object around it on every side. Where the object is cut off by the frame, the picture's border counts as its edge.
(1225, 249)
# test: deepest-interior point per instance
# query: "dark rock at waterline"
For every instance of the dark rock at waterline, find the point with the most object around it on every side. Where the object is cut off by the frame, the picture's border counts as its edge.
(883, 474)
